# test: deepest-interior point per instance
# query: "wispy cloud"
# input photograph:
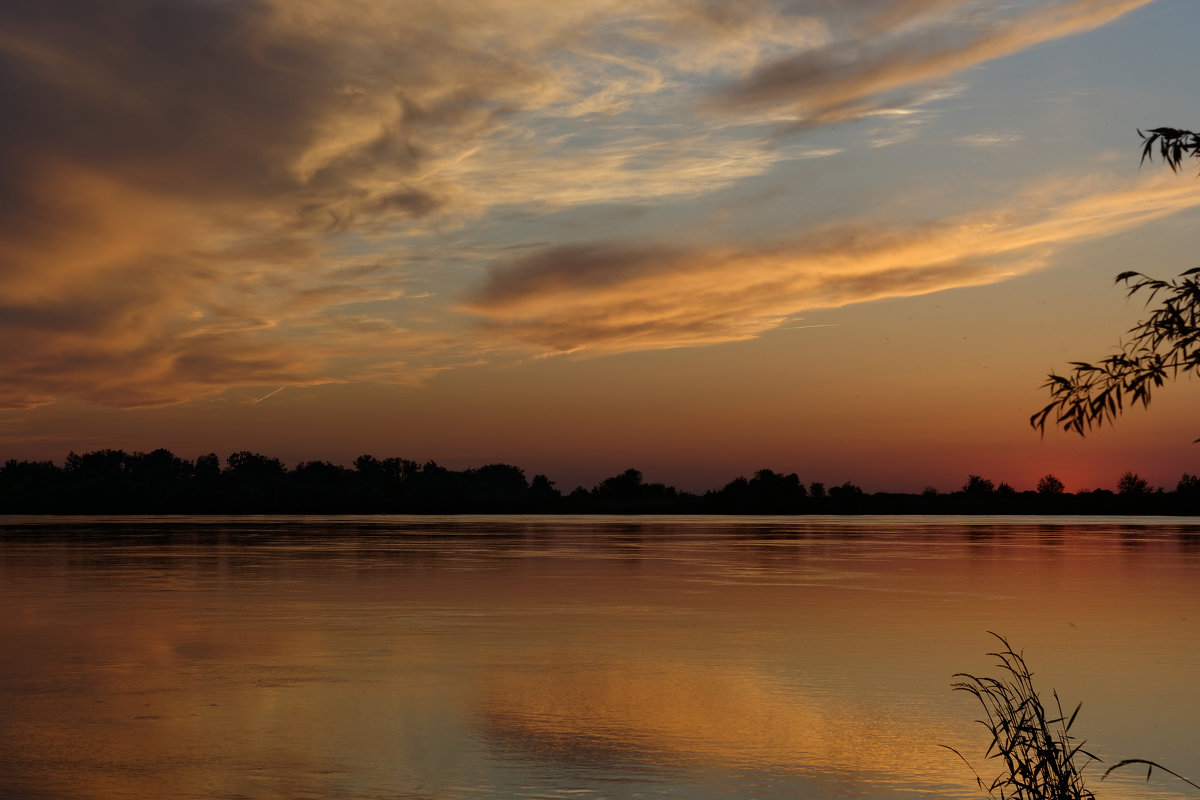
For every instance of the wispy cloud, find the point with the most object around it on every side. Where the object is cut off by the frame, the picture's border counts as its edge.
(899, 48)
(199, 195)
(610, 297)
(989, 139)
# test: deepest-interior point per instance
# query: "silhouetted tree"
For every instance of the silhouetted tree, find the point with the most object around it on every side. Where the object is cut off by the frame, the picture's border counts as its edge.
(1049, 484)
(1132, 483)
(1161, 347)
(319, 487)
(101, 481)
(30, 486)
(1188, 485)
(847, 498)
(768, 492)
(1187, 494)
(205, 484)
(738, 487)
(253, 483)
(543, 494)
(847, 489)
(207, 467)
(1135, 496)
(978, 485)
(379, 484)
(496, 488)
(623, 486)
(432, 488)
(628, 493)
(161, 481)
(579, 500)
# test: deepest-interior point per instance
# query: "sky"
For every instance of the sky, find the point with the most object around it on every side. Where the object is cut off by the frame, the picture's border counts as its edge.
(843, 239)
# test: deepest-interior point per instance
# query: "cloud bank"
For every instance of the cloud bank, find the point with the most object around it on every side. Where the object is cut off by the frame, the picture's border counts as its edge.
(196, 195)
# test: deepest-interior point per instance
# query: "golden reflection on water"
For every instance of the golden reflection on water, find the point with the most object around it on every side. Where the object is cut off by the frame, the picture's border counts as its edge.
(739, 719)
(525, 659)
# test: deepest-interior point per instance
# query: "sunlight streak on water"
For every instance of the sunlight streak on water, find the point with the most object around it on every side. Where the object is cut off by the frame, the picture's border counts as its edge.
(560, 657)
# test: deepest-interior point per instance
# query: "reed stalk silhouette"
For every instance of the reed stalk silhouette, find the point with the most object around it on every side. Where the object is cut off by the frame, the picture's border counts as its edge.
(1041, 760)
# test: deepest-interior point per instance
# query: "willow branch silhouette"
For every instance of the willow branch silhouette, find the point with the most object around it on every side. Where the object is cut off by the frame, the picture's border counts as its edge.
(1159, 348)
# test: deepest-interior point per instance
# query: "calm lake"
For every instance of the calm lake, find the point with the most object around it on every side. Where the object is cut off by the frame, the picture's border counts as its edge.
(534, 657)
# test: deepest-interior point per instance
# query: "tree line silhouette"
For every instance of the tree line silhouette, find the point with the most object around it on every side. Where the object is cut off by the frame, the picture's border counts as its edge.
(159, 482)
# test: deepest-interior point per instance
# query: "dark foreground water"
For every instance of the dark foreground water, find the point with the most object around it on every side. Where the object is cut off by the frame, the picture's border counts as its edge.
(509, 657)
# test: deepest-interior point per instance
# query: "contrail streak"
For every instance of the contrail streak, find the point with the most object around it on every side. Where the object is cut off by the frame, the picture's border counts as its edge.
(269, 394)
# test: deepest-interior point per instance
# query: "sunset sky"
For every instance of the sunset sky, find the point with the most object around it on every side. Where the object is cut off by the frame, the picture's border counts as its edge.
(699, 238)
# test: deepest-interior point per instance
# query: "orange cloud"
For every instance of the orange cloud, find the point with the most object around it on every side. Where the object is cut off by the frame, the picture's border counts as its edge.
(193, 197)
(200, 195)
(610, 297)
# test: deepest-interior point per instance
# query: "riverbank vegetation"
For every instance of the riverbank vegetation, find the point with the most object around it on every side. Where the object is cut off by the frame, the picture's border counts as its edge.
(159, 482)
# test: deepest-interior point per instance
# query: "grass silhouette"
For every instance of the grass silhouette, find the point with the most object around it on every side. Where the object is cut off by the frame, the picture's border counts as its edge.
(1150, 767)
(1041, 760)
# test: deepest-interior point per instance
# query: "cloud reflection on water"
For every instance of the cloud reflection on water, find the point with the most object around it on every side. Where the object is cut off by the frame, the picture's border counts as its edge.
(504, 658)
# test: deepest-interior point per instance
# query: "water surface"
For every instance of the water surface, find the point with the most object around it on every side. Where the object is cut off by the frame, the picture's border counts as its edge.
(533, 657)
